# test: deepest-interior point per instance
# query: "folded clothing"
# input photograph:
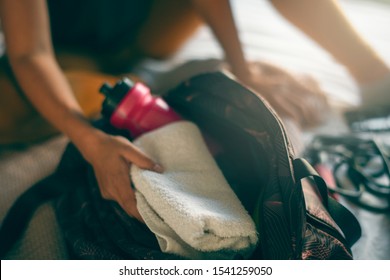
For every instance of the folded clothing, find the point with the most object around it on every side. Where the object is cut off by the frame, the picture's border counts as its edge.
(190, 207)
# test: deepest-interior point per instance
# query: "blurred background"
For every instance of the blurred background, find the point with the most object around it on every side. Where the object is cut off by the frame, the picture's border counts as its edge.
(267, 36)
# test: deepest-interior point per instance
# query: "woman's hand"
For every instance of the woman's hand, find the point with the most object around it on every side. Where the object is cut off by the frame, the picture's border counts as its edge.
(299, 98)
(111, 157)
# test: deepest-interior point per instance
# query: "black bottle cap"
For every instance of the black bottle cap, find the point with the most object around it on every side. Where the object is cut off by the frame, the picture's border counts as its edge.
(114, 95)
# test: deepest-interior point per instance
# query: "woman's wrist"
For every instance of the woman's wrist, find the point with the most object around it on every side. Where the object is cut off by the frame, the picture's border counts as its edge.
(82, 134)
(241, 72)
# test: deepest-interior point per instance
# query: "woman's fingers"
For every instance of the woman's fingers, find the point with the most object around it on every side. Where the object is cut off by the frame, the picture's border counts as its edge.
(283, 107)
(134, 155)
(114, 184)
(290, 96)
(125, 195)
(111, 159)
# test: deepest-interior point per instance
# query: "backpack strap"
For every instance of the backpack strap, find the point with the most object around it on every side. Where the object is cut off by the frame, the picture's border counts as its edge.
(340, 214)
(22, 210)
(346, 221)
(19, 215)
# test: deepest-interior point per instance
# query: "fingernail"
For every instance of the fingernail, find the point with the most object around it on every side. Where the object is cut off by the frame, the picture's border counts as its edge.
(158, 168)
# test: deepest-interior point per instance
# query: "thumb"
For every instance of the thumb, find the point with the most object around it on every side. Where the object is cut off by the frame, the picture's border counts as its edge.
(135, 155)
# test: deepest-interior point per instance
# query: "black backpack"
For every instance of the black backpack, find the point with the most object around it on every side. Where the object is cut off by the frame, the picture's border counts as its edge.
(289, 202)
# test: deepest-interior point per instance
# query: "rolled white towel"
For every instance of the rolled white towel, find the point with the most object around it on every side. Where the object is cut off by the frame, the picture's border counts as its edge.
(190, 207)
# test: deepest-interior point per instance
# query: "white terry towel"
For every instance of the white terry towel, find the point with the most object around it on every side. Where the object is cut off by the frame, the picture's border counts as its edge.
(190, 207)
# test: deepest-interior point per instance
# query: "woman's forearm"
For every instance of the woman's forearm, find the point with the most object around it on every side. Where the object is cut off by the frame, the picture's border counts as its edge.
(46, 87)
(218, 15)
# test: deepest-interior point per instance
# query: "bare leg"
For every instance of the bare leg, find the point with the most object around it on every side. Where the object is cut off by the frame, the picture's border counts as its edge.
(21, 123)
(324, 22)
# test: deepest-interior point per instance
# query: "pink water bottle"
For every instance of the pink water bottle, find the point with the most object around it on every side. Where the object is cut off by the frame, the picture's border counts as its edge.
(131, 106)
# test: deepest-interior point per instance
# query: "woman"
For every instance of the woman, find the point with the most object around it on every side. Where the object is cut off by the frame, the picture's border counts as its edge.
(107, 35)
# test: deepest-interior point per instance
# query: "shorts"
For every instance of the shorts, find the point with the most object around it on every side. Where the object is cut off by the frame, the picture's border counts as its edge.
(98, 25)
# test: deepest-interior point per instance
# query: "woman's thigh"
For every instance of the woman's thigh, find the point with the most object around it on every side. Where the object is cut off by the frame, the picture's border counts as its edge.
(21, 123)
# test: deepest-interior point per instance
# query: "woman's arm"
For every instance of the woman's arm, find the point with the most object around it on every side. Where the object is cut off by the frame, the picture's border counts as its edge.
(219, 17)
(28, 46)
(325, 22)
(27, 35)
